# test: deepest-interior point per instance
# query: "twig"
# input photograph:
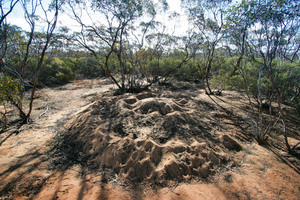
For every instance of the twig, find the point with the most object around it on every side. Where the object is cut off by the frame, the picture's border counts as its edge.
(277, 119)
(173, 188)
(294, 147)
(42, 113)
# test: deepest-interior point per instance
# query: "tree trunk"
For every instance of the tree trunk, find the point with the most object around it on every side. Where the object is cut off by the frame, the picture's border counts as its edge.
(209, 92)
(49, 35)
(123, 71)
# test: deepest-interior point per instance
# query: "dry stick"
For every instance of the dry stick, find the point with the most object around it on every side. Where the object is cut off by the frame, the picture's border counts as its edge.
(277, 119)
(119, 55)
(203, 77)
(204, 74)
(294, 147)
(141, 44)
(107, 57)
(22, 113)
(5, 118)
(177, 67)
(43, 113)
(173, 188)
(241, 56)
(261, 138)
(207, 74)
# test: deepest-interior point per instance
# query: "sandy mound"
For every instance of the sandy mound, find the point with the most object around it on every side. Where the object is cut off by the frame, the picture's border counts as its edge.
(149, 136)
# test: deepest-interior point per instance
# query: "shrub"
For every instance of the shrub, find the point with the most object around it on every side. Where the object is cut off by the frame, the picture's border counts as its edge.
(188, 71)
(88, 67)
(56, 72)
(9, 93)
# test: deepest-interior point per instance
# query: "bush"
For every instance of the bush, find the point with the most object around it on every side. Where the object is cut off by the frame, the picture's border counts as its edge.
(188, 72)
(9, 93)
(221, 75)
(88, 67)
(55, 71)
(160, 67)
(153, 68)
(287, 77)
(9, 89)
(288, 80)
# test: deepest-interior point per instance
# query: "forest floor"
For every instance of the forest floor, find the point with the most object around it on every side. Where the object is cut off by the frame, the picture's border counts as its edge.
(171, 142)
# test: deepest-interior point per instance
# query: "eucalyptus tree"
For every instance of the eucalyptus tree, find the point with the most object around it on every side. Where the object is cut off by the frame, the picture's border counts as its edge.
(20, 51)
(6, 7)
(159, 43)
(8, 35)
(18, 60)
(137, 54)
(118, 18)
(208, 16)
(9, 90)
(272, 33)
(50, 18)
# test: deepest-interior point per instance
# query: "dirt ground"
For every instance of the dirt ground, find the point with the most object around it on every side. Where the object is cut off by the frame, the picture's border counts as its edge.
(165, 143)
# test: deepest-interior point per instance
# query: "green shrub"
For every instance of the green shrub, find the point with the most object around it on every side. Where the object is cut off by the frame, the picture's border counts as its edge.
(286, 76)
(9, 89)
(88, 67)
(188, 71)
(9, 93)
(55, 71)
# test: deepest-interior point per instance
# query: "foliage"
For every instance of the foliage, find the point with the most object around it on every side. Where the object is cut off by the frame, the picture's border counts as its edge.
(55, 71)
(61, 70)
(221, 76)
(9, 89)
(88, 67)
(12, 44)
(9, 93)
(209, 20)
(111, 38)
(288, 80)
(270, 31)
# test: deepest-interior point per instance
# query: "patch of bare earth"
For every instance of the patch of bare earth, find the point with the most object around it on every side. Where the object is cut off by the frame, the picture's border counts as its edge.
(165, 143)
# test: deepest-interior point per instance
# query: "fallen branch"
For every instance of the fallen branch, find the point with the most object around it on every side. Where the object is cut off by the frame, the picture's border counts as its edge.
(294, 147)
(47, 108)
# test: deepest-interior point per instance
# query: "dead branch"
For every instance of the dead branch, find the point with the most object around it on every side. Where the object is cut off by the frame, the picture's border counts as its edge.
(47, 109)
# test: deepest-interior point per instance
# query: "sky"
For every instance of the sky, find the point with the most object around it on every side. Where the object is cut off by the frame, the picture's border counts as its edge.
(177, 26)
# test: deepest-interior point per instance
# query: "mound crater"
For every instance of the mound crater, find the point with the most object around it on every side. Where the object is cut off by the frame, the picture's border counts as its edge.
(146, 137)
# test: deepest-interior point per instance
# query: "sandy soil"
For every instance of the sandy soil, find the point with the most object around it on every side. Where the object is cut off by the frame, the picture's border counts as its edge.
(166, 143)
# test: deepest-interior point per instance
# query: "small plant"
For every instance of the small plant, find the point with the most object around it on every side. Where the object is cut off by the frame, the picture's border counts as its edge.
(9, 93)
